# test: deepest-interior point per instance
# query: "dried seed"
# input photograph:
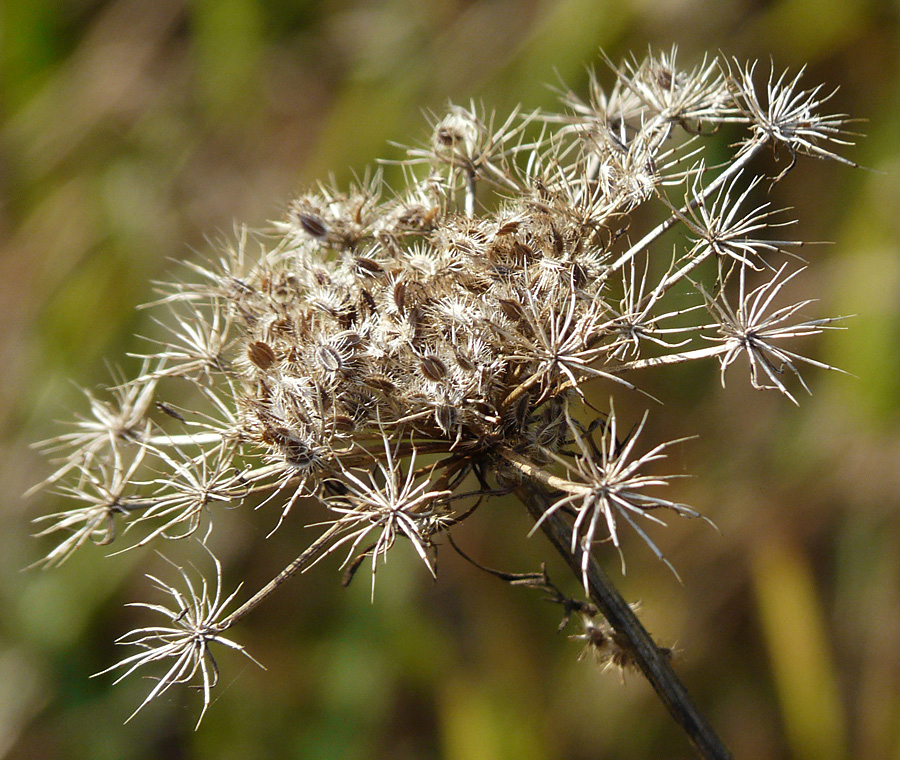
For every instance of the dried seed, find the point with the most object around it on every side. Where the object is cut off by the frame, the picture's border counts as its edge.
(418, 217)
(329, 358)
(400, 295)
(665, 79)
(300, 455)
(446, 417)
(350, 339)
(380, 383)
(261, 354)
(522, 251)
(163, 407)
(579, 276)
(512, 309)
(463, 361)
(432, 367)
(370, 300)
(343, 423)
(312, 224)
(366, 266)
(448, 136)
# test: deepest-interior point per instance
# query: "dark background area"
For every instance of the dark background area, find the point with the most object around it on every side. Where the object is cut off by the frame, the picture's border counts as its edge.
(136, 134)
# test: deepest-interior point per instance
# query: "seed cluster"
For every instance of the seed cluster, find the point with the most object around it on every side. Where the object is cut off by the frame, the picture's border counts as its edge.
(458, 320)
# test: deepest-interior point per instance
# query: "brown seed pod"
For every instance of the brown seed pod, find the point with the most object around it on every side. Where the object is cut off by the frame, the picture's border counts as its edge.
(432, 367)
(512, 309)
(523, 251)
(350, 339)
(380, 383)
(343, 423)
(399, 295)
(464, 362)
(366, 266)
(261, 354)
(311, 224)
(508, 228)
(329, 358)
(369, 301)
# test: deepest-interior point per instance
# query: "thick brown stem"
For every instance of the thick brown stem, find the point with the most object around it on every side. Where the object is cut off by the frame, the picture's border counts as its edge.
(643, 650)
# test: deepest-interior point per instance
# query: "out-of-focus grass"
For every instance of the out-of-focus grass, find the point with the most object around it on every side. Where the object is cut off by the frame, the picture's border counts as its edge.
(793, 623)
(132, 132)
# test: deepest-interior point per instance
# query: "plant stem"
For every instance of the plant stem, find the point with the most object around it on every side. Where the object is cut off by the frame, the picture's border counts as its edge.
(312, 553)
(640, 645)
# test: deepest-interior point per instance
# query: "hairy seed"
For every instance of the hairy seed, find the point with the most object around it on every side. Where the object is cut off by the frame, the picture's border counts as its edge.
(350, 339)
(313, 225)
(329, 358)
(366, 266)
(261, 354)
(509, 228)
(465, 364)
(512, 309)
(343, 423)
(380, 383)
(369, 300)
(432, 367)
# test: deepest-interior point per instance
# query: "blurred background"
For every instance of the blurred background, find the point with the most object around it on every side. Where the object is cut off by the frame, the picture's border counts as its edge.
(136, 134)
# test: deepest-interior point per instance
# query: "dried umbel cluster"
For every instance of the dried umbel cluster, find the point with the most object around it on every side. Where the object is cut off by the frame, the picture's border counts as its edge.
(399, 355)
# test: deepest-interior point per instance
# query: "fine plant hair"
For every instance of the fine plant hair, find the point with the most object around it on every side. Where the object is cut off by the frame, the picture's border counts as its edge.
(406, 355)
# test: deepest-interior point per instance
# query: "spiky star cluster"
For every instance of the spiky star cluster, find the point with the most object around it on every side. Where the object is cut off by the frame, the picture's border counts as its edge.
(458, 322)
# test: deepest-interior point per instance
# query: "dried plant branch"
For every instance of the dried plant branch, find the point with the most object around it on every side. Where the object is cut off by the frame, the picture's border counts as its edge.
(643, 650)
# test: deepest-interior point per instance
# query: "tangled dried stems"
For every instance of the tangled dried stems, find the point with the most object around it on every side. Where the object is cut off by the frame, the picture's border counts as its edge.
(459, 321)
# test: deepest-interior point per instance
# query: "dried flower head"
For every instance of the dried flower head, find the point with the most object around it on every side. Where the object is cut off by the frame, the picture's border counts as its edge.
(183, 643)
(402, 356)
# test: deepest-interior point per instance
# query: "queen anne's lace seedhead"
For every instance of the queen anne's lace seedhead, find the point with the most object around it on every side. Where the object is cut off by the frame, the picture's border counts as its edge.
(182, 643)
(400, 356)
(604, 482)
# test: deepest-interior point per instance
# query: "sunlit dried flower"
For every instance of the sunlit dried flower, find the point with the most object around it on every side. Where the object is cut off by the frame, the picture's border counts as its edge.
(791, 115)
(106, 490)
(753, 329)
(607, 481)
(183, 643)
(390, 503)
(403, 356)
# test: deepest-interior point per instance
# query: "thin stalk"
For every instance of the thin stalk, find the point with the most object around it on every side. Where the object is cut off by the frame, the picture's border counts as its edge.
(470, 193)
(304, 561)
(640, 645)
(676, 217)
(301, 563)
(684, 356)
(186, 439)
(533, 472)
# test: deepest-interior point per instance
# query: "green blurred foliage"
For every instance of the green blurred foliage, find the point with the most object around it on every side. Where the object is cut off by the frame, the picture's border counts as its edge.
(133, 134)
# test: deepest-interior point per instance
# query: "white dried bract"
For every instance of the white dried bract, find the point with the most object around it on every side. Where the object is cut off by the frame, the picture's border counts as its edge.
(464, 321)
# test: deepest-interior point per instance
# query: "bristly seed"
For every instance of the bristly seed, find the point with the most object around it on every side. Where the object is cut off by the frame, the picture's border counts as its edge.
(432, 367)
(261, 354)
(329, 358)
(313, 225)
